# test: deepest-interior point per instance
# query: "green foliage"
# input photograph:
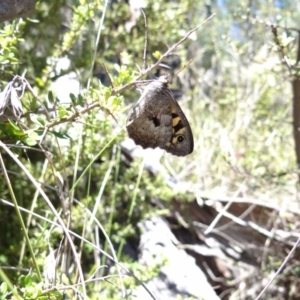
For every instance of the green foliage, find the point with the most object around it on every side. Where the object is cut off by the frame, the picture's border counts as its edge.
(32, 289)
(236, 96)
(10, 36)
(3, 291)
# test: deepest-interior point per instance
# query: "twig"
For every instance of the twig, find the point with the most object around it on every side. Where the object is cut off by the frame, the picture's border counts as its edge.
(127, 86)
(50, 205)
(279, 269)
(97, 42)
(146, 37)
(148, 70)
(70, 232)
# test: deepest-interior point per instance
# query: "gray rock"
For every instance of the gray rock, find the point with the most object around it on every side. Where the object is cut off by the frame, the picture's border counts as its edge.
(180, 276)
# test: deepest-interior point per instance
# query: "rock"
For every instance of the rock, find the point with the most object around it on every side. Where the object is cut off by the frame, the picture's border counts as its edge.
(180, 276)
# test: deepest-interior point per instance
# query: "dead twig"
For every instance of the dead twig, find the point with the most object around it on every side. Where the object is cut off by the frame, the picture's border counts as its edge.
(127, 86)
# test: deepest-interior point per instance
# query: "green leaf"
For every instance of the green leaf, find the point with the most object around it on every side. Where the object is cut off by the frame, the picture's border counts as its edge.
(29, 141)
(80, 99)
(107, 93)
(117, 100)
(157, 54)
(73, 98)
(3, 288)
(10, 129)
(32, 138)
(38, 119)
(61, 135)
(62, 111)
(21, 280)
(50, 97)
(28, 280)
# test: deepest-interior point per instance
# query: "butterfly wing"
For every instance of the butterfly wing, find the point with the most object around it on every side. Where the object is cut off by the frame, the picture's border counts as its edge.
(158, 121)
(182, 141)
(150, 120)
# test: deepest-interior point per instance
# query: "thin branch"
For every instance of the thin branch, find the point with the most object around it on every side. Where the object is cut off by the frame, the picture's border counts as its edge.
(70, 232)
(146, 37)
(50, 205)
(97, 42)
(148, 70)
(289, 256)
(127, 86)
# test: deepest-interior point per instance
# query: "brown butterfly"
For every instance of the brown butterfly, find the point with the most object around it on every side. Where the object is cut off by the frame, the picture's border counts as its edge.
(158, 121)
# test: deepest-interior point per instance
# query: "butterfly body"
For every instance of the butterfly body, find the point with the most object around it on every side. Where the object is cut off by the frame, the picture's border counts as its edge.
(158, 121)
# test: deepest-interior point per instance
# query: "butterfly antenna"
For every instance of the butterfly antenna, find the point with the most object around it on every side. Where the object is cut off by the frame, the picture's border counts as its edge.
(146, 37)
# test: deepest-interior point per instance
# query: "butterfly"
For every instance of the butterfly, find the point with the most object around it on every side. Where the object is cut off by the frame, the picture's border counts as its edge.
(158, 121)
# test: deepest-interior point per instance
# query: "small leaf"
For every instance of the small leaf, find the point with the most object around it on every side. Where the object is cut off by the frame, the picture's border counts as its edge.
(62, 111)
(38, 119)
(3, 288)
(73, 98)
(29, 141)
(33, 20)
(61, 135)
(32, 138)
(117, 100)
(18, 133)
(22, 281)
(14, 126)
(28, 280)
(14, 130)
(10, 129)
(50, 97)
(156, 54)
(80, 99)
(107, 93)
